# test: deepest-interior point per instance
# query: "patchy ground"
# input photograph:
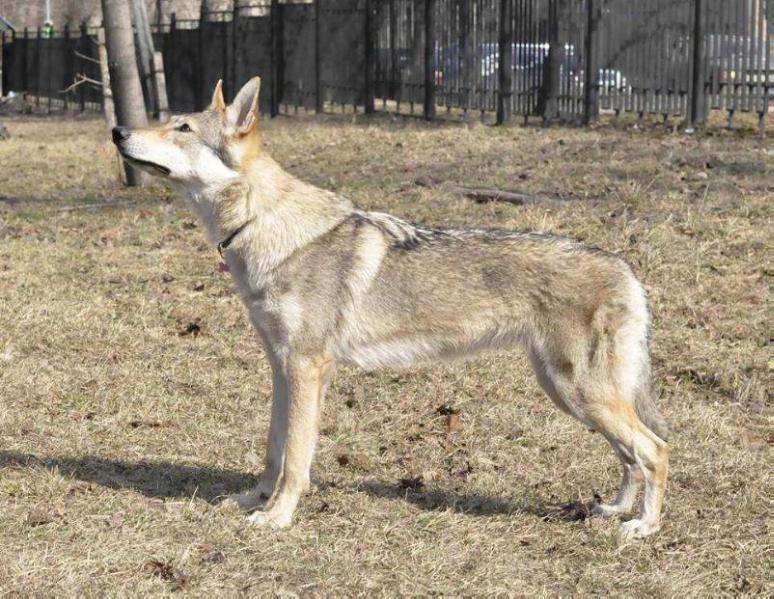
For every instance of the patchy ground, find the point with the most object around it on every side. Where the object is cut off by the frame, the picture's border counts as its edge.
(133, 393)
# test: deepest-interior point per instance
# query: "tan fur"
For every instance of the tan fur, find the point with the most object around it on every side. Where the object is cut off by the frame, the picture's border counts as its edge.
(325, 283)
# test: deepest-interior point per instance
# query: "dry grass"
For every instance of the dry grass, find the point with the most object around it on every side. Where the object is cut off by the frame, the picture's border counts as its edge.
(118, 431)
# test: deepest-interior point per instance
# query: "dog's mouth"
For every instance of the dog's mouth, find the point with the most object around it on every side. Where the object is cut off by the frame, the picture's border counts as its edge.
(163, 170)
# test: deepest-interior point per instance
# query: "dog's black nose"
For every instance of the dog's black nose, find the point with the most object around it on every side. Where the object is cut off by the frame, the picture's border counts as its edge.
(120, 134)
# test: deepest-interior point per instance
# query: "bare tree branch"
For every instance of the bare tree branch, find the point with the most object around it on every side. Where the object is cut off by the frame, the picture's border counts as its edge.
(80, 79)
(84, 57)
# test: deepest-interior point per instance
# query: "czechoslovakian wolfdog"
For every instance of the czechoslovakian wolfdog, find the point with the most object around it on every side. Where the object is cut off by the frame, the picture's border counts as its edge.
(326, 283)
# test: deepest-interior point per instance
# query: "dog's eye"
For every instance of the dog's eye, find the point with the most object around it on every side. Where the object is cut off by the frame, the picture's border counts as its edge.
(184, 128)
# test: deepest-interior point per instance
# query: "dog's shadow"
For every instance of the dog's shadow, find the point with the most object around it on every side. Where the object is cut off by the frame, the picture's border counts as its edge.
(476, 504)
(158, 479)
(161, 479)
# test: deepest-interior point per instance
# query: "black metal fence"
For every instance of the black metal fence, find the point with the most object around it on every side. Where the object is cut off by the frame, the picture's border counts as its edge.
(555, 59)
(43, 67)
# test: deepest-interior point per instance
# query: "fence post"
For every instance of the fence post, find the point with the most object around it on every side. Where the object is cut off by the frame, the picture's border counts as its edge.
(225, 76)
(170, 39)
(199, 94)
(319, 99)
(698, 101)
(590, 91)
(232, 88)
(5, 76)
(393, 87)
(70, 62)
(505, 51)
(552, 67)
(429, 108)
(277, 71)
(83, 50)
(25, 84)
(25, 66)
(369, 58)
(466, 43)
(37, 68)
(48, 71)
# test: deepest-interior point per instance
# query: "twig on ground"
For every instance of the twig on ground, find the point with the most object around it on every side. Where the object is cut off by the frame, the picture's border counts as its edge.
(107, 204)
(482, 195)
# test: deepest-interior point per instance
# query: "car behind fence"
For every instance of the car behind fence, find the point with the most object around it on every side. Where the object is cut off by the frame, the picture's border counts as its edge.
(555, 59)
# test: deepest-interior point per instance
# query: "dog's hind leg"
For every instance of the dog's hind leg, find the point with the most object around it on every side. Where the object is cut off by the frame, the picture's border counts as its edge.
(306, 383)
(643, 452)
(565, 394)
(591, 391)
(619, 401)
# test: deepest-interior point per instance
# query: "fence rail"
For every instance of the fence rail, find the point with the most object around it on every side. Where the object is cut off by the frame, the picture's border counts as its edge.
(555, 59)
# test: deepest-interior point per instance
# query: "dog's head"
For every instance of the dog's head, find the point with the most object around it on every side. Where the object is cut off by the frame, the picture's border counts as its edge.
(199, 149)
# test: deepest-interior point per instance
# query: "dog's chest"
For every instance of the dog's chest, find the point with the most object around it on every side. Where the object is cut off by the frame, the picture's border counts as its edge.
(270, 314)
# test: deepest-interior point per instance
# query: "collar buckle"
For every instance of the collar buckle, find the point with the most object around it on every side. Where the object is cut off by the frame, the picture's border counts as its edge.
(223, 245)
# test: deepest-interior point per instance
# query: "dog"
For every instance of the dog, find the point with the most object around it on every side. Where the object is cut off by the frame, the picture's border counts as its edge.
(325, 283)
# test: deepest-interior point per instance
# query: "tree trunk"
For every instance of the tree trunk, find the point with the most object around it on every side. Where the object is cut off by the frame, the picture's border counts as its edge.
(145, 49)
(107, 97)
(124, 78)
(107, 92)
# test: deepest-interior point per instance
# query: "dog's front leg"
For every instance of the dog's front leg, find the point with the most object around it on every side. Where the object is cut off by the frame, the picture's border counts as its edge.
(306, 381)
(275, 443)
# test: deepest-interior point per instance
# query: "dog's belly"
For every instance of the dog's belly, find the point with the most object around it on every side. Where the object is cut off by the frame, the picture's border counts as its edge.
(405, 352)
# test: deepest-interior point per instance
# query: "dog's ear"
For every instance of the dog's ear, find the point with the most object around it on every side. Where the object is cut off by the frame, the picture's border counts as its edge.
(242, 114)
(218, 104)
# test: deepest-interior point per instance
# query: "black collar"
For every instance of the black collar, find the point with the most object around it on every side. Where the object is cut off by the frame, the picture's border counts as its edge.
(223, 245)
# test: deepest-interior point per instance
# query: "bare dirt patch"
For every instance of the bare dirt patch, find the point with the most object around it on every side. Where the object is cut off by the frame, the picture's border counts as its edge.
(133, 393)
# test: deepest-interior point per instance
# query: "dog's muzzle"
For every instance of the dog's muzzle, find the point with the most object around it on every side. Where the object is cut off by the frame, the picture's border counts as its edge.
(121, 136)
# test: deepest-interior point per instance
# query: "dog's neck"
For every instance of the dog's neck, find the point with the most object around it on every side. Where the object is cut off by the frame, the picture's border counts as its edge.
(281, 214)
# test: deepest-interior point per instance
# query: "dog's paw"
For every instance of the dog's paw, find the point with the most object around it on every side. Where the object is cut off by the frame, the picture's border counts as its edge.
(638, 529)
(608, 510)
(275, 519)
(247, 502)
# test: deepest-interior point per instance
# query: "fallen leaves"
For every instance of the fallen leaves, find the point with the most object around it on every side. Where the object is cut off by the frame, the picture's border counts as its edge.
(166, 571)
(454, 423)
(192, 329)
(137, 423)
(354, 461)
(453, 419)
(573, 511)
